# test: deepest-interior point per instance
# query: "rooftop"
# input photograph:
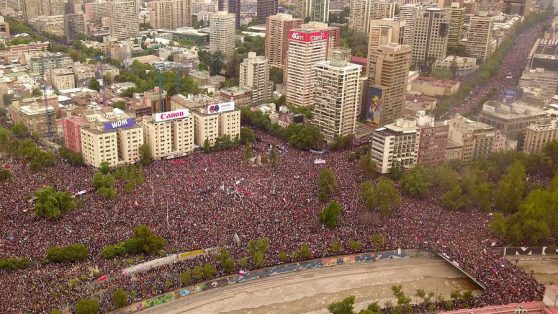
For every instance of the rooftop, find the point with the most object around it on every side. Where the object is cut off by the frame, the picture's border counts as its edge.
(514, 110)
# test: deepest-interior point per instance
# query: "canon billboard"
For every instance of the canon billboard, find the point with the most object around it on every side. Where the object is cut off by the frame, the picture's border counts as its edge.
(308, 37)
(171, 115)
(222, 107)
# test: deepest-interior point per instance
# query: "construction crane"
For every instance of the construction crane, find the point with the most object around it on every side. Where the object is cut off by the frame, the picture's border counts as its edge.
(159, 77)
(45, 88)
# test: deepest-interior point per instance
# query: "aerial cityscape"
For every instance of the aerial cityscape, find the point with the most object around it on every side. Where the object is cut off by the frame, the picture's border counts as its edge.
(279, 156)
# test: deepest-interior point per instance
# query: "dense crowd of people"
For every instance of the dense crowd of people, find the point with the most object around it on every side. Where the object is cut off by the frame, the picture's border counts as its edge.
(511, 68)
(207, 199)
(203, 200)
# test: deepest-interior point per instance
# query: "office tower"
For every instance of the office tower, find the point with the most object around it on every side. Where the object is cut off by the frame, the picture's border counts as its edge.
(456, 16)
(222, 32)
(306, 48)
(231, 6)
(74, 25)
(479, 37)
(382, 32)
(387, 83)
(170, 14)
(254, 75)
(519, 7)
(94, 11)
(363, 11)
(317, 10)
(409, 12)
(430, 37)
(124, 20)
(336, 95)
(333, 36)
(299, 9)
(265, 8)
(277, 37)
(73, 7)
(35, 8)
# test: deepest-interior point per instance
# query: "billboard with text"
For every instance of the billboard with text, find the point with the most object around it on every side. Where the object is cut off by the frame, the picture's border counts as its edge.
(308, 37)
(119, 124)
(222, 107)
(171, 115)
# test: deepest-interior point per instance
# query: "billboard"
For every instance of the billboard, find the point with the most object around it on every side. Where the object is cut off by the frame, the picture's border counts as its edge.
(308, 37)
(171, 115)
(119, 124)
(222, 107)
(374, 104)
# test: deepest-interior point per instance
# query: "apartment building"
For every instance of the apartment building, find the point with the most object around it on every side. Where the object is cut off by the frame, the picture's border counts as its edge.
(124, 19)
(336, 95)
(306, 48)
(511, 119)
(222, 35)
(215, 121)
(170, 14)
(430, 37)
(475, 138)
(169, 134)
(479, 37)
(254, 75)
(538, 134)
(395, 145)
(277, 37)
(61, 78)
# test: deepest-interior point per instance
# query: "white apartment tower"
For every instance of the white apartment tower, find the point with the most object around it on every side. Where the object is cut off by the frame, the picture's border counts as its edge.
(306, 48)
(479, 37)
(395, 145)
(124, 19)
(337, 95)
(430, 37)
(222, 32)
(254, 75)
(363, 11)
(170, 14)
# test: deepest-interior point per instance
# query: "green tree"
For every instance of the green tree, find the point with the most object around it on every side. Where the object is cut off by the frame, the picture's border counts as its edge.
(248, 151)
(121, 104)
(186, 277)
(94, 84)
(304, 252)
(368, 166)
(206, 146)
(227, 263)
(208, 271)
(498, 224)
(87, 306)
(36, 92)
(327, 184)
(454, 199)
(335, 246)
(120, 298)
(354, 245)
(246, 136)
(442, 74)
(258, 249)
(14, 263)
(416, 182)
(67, 254)
(20, 130)
(443, 178)
(384, 196)
(377, 240)
(345, 306)
(52, 204)
(510, 189)
(330, 214)
(145, 155)
(147, 240)
(276, 75)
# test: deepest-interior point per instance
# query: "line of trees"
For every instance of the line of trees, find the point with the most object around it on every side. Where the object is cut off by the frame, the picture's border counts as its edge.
(18, 143)
(144, 241)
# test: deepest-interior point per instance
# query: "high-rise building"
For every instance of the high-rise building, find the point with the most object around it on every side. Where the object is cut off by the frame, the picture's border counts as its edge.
(277, 37)
(456, 16)
(254, 75)
(306, 48)
(518, 7)
(475, 138)
(395, 145)
(363, 11)
(231, 6)
(35, 8)
(222, 33)
(124, 20)
(333, 36)
(94, 11)
(387, 80)
(538, 134)
(433, 139)
(74, 25)
(317, 10)
(170, 14)
(430, 37)
(408, 13)
(336, 95)
(479, 37)
(169, 134)
(265, 9)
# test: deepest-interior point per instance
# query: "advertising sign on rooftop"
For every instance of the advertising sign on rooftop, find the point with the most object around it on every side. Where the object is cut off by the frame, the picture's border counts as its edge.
(171, 115)
(308, 37)
(219, 108)
(119, 124)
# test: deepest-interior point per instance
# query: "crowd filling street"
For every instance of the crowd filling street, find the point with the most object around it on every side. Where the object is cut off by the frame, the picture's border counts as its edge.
(210, 197)
(202, 200)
